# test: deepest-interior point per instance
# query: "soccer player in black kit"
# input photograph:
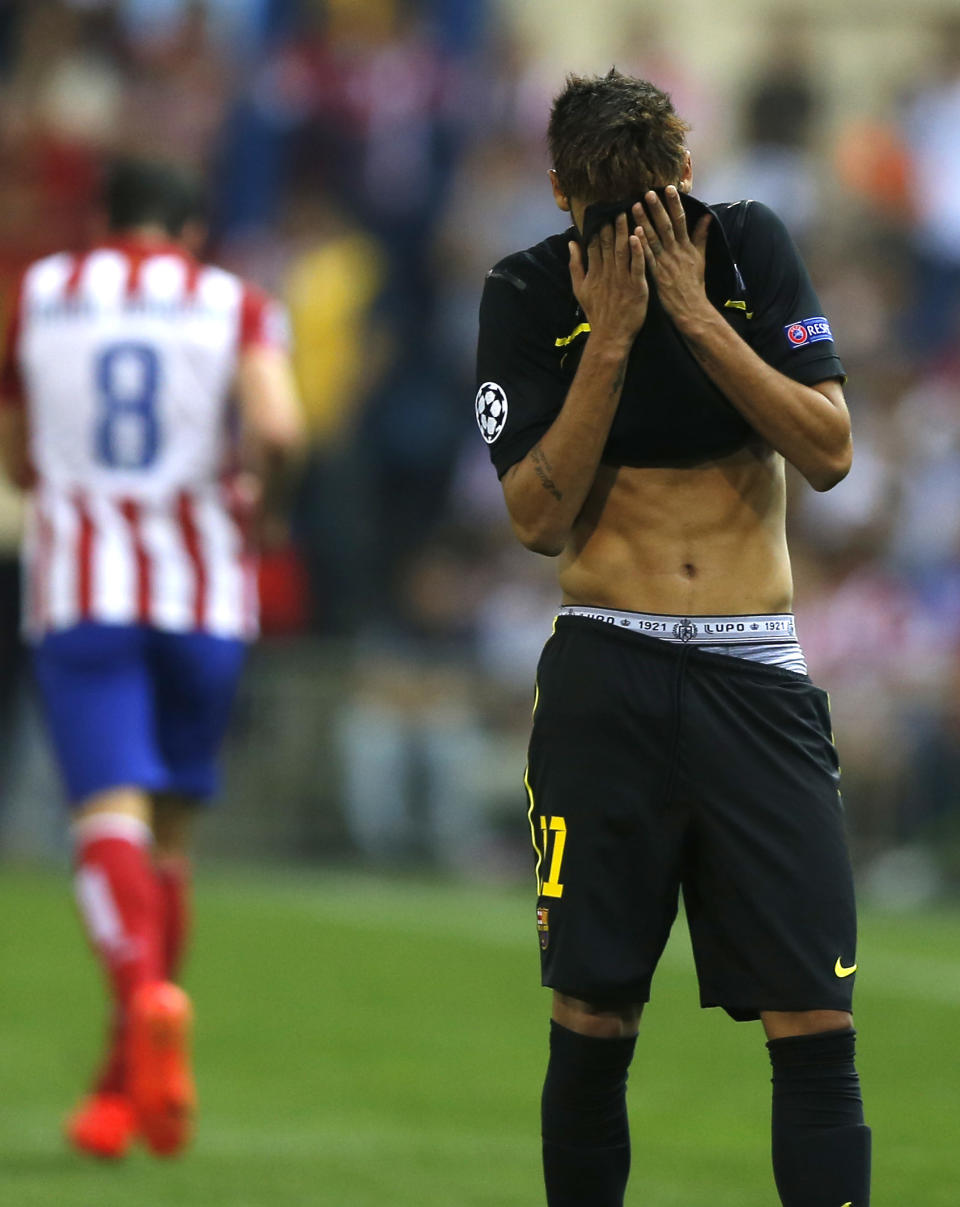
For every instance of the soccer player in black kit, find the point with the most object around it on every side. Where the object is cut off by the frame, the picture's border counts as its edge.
(643, 378)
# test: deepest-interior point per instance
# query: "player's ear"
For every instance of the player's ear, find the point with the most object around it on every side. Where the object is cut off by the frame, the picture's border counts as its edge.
(559, 196)
(685, 183)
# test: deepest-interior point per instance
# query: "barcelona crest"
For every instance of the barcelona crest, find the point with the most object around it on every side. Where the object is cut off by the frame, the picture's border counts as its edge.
(543, 926)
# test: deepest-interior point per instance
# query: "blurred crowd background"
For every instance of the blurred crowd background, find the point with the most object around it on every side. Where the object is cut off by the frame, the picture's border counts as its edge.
(368, 161)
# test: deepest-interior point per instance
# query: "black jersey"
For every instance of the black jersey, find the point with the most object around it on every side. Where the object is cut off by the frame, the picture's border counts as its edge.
(532, 333)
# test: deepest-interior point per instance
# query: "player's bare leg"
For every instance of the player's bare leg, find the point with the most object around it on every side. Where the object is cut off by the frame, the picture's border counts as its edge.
(586, 1138)
(116, 892)
(781, 1024)
(173, 824)
(598, 1021)
(821, 1147)
(127, 802)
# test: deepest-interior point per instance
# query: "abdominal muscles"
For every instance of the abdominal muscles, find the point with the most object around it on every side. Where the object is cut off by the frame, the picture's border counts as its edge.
(704, 540)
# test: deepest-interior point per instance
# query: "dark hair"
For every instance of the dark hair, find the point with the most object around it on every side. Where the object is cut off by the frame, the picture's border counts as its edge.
(138, 192)
(613, 137)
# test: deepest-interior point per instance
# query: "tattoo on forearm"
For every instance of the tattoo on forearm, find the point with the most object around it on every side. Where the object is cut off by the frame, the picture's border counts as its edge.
(541, 467)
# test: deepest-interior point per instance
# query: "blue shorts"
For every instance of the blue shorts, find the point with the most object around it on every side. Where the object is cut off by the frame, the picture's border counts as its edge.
(127, 705)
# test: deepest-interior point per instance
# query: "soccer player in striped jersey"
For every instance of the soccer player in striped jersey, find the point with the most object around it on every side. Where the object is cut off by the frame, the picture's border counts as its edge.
(137, 383)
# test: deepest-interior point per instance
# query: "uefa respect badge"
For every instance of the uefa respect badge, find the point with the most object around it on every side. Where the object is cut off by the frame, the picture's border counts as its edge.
(808, 331)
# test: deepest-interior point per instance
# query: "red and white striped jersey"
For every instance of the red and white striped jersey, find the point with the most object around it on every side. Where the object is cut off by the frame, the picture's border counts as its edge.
(125, 359)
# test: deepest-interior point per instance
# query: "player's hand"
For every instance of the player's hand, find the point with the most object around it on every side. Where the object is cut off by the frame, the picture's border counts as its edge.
(613, 291)
(675, 259)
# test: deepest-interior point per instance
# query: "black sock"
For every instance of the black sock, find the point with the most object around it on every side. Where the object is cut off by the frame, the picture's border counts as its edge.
(821, 1148)
(586, 1137)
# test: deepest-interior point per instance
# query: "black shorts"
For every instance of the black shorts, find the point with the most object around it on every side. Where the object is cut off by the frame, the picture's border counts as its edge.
(655, 767)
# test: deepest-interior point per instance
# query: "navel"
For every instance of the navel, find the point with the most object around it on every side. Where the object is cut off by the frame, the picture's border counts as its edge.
(689, 570)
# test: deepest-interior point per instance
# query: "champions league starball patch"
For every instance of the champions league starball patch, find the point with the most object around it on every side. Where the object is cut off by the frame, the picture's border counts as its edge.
(808, 331)
(491, 410)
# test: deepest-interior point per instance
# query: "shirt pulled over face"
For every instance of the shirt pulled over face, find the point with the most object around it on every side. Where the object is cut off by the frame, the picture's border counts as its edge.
(532, 334)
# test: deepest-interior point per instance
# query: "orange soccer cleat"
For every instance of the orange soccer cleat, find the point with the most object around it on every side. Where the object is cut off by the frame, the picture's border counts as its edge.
(161, 1082)
(103, 1126)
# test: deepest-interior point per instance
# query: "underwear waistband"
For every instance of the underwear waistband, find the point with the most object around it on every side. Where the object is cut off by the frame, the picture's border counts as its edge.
(776, 628)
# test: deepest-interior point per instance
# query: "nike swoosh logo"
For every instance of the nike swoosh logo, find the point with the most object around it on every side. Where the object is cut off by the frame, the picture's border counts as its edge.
(839, 969)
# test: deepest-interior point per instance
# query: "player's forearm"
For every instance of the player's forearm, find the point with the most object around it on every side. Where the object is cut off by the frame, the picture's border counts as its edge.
(547, 489)
(270, 403)
(811, 430)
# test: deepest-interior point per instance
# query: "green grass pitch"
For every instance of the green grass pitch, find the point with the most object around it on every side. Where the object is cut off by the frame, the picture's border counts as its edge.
(365, 1042)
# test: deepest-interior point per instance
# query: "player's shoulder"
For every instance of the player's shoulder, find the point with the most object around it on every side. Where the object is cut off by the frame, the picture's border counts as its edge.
(45, 277)
(758, 238)
(217, 286)
(262, 317)
(536, 269)
(745, 208)
(57, 261)
(750, 219)
(528, 292)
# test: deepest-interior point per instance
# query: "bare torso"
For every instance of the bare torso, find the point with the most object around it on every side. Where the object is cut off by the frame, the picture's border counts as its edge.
(703, 540)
